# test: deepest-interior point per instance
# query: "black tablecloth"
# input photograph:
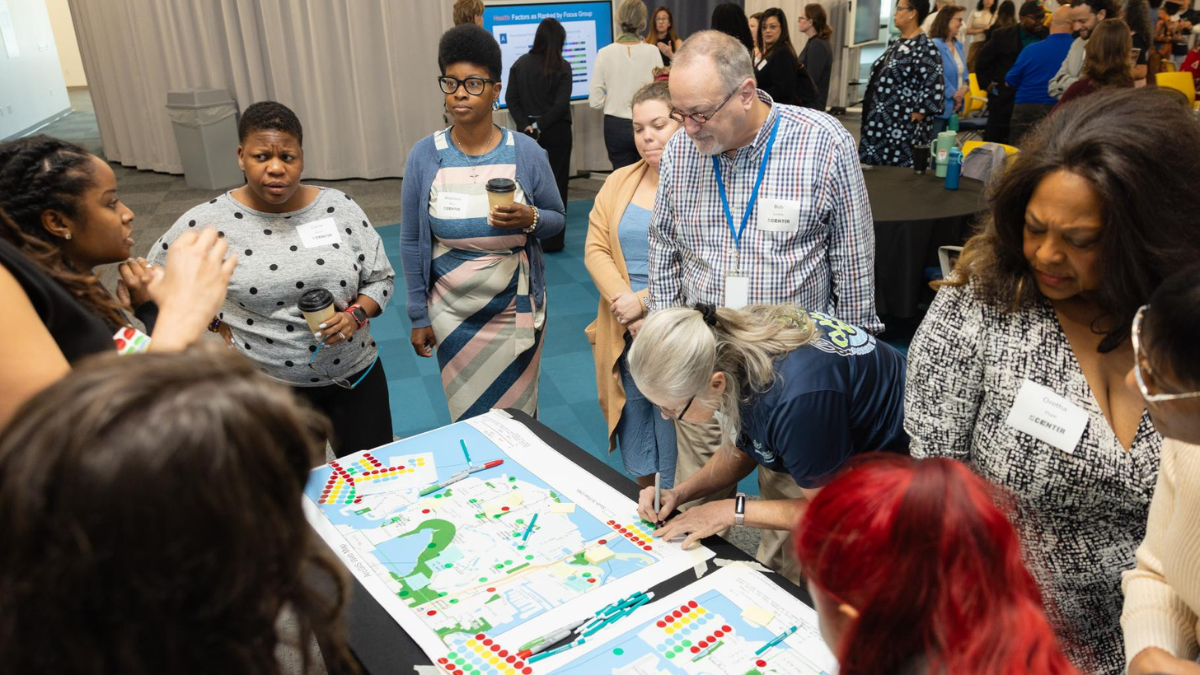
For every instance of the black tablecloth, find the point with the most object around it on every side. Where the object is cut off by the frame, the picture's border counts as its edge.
(914, 215)
(381, 646)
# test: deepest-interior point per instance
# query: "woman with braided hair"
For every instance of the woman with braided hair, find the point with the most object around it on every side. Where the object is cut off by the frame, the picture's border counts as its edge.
(60, 218)
(794, 391)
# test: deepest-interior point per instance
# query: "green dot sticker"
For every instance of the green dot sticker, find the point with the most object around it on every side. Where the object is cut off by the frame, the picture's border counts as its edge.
(404, 594)
(507, 562)
(483, 580)
(529, 557)
(499, 566)
(512, 479)
(587, 575)
(686, 643)
(520, 521)
(454, 601)
(670, 654)
(449, 565)
(520, 548)
(438, 496)
(431, 545)
(618, 651)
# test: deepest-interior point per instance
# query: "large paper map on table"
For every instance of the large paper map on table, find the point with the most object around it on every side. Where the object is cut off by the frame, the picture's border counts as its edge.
(456, 563)
(711, 627)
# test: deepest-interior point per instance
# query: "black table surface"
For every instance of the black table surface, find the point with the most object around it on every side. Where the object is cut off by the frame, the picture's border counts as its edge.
(899, 195)
(382, 646)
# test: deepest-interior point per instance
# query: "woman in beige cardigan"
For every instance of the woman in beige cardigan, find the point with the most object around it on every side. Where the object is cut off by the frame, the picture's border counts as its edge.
(1161, 618)
(616, 256)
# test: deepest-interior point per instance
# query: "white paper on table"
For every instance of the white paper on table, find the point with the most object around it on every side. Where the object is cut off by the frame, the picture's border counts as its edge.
(538, 611)
(632, 645)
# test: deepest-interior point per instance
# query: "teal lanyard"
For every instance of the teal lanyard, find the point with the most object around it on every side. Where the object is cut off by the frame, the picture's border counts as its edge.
(762, 171)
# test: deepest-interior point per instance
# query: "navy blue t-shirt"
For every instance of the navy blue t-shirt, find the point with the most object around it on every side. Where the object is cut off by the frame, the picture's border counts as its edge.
(838, 396)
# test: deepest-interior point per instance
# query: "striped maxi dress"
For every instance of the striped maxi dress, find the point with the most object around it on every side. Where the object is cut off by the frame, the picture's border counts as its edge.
(489, 332)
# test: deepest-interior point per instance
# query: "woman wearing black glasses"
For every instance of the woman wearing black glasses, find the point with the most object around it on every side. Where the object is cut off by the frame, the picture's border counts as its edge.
(477, 201)
(291, 240)
(1162, 595)
(796, 392)
(904, 93)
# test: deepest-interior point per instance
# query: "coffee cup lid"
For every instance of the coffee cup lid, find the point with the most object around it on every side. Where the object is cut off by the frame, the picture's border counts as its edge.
(501, 185)
(316, 299)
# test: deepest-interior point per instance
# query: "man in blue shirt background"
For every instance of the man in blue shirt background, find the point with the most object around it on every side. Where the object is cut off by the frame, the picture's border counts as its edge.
(1030, 75)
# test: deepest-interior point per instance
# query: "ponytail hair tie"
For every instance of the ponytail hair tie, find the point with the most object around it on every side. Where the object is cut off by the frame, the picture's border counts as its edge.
(709, 313)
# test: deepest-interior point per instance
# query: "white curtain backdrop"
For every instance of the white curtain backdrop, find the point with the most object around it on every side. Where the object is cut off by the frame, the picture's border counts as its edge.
(359, 74)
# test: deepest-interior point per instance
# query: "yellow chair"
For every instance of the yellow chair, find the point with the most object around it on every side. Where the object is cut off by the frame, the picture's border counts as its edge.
(971, 145)
(1180, 81)
(976, 98)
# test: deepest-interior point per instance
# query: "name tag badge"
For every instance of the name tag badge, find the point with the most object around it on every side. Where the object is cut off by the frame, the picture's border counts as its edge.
(779, 215)
(458, 205)
(737, 290)
(321, 232)
(1046, 416)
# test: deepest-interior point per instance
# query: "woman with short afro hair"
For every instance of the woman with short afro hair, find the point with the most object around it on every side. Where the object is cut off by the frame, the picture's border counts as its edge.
(475, 273)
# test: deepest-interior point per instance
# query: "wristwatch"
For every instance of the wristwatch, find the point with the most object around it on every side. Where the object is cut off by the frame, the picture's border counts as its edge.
(739, 509)
(359, 314)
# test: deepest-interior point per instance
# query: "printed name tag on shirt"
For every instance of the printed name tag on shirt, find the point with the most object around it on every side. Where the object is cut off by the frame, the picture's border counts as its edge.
(778, 215)
(1046, 416)
(737, 291)
(321, 232)
(459, 205)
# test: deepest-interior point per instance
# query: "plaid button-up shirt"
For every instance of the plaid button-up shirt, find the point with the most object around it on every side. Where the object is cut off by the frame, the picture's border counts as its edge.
(827, 265)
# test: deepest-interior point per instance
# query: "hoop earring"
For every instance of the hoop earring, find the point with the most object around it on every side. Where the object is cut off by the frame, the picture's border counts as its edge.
(495, 105)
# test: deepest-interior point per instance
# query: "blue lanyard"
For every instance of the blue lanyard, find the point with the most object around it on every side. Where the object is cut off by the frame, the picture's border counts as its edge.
(762, 170)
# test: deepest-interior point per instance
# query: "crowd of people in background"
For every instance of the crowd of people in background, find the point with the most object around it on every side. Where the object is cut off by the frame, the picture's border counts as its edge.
(736, 333)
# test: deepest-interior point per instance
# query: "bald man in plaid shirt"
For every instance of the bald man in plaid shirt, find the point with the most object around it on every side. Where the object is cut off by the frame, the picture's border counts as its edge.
(757, 203)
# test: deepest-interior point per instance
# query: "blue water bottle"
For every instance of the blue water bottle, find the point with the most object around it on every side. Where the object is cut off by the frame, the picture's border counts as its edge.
(953, 169)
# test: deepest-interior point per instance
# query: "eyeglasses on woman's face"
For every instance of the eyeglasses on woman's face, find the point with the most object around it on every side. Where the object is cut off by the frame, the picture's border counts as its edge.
(474, 85)
(903, 8)
(1138, 359)
(671, 414)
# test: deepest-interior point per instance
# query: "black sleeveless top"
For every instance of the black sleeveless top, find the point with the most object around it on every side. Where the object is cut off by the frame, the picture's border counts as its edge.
(73, 326)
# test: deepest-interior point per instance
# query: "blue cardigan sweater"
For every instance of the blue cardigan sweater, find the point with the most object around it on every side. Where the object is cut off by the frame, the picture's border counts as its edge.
(416, 234)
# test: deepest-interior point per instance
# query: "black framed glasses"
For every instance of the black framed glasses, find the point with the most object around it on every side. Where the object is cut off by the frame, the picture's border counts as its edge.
(902, 8)
(680, 414)
(339, 381)
(474, 85)
(701, 118)
(1135, 334)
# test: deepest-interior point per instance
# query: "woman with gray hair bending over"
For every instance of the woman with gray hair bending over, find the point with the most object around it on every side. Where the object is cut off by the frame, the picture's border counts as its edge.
(797, 392)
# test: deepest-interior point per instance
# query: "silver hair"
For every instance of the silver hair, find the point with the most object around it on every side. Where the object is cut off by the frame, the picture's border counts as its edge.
(631, 16)
(729, 57)
(676, 354)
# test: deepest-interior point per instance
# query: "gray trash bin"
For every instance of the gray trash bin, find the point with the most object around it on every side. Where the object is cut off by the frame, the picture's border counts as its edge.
(205, 123)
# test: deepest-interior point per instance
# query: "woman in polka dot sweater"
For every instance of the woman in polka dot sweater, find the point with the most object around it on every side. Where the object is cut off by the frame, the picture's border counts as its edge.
(291, 239)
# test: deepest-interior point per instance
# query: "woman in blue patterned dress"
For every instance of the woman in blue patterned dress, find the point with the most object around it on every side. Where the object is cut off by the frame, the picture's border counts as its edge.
(475, 275)
(904, 93)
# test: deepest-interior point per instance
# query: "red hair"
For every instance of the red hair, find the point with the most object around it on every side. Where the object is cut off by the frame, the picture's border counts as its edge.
(934, 569)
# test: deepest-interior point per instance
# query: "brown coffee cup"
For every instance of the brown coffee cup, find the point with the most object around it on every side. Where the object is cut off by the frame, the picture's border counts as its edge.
(500, 191)
(317, 306)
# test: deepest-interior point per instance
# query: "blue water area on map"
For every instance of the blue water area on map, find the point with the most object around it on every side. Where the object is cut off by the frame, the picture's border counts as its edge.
(448, 456)
(721, 610)
(399, 555)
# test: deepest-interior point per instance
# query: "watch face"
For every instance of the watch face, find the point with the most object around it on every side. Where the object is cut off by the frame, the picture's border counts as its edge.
(359, 313)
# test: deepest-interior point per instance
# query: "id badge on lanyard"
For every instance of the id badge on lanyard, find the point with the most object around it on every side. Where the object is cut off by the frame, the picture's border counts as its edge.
(737, 283)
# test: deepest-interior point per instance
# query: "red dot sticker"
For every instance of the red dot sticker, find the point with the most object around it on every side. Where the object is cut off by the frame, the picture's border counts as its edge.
(612, 522)
(502, 653)
(431, 612)
(450, 667)
(719, 633)
(602, 542)
(487, 641)
(491, 590)
(695, 650)
(684, 609)
(519, 664)
(503, 508)
(677, 614)
(527, 671)
(692, 604)
(661, 624)
(702, 644)
(424, 510)
(760, 663)
(494, 647)
(727, 629)
(458, 672)
(443, 660)
(647, 548)
(591, 581)
(480, 636)
(510, 659)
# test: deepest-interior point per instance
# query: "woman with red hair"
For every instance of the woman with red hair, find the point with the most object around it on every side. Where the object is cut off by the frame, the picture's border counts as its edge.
(914, 569)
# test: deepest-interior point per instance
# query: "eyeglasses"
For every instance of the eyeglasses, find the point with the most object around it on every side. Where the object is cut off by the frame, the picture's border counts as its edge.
(681, 413)
(900, 8)
(474, 85)
(701, 118)
(339, 381)
(1136, 336)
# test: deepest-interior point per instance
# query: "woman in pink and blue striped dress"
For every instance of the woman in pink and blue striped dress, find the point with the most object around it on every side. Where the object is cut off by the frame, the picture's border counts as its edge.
(475, 275)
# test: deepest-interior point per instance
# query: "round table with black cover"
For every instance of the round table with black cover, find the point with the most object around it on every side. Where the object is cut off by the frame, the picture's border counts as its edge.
(914, 215)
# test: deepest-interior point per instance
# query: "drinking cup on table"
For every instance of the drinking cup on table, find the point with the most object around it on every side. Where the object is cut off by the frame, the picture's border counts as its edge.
(920, 158)
(317, 307)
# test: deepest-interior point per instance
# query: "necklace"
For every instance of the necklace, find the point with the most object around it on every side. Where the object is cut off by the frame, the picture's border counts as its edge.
(474, 159)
